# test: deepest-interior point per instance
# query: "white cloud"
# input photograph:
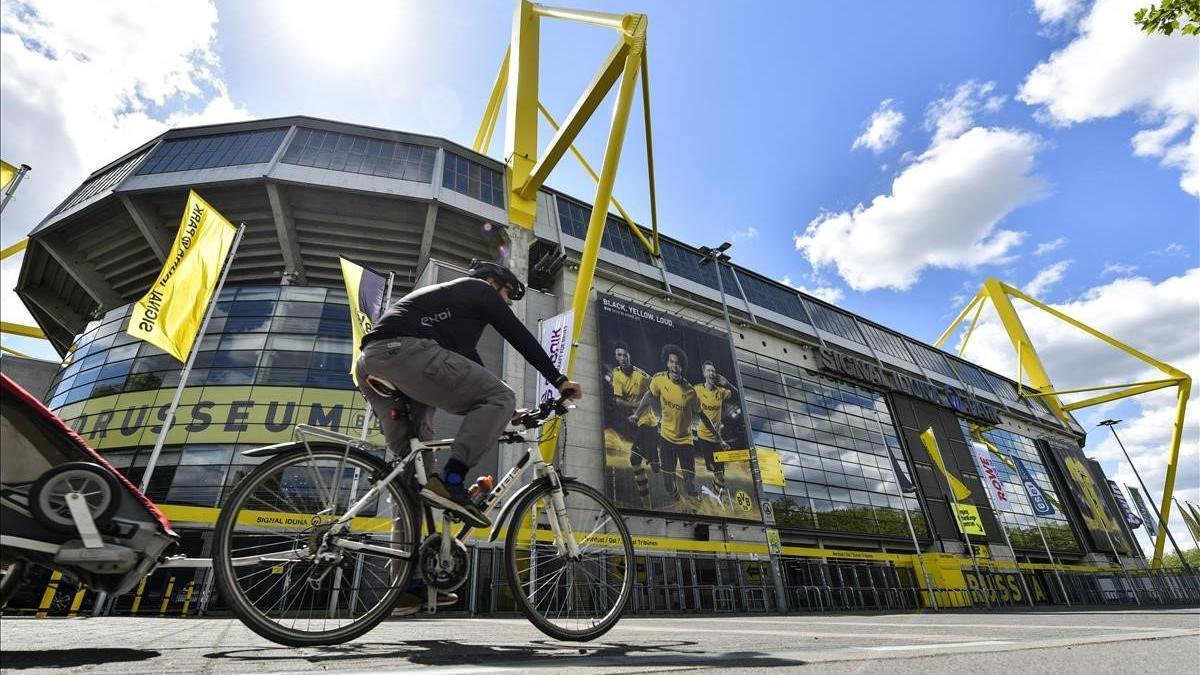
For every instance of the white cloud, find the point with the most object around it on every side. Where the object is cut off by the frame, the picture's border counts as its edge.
(830, 294)
(743, 235)
(1048, 246)
(87, 82)
(1057, 11)
(949, 117)
(942, 212)
(1160, 319)
(1112, 68)
(882, 129)
(1118, 269)
(1046, 278)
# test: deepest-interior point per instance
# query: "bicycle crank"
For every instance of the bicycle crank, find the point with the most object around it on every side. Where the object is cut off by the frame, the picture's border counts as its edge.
(445, 573)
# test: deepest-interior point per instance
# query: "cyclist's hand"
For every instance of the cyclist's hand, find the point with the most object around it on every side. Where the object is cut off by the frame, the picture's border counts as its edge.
(571, 390)
(724, 445)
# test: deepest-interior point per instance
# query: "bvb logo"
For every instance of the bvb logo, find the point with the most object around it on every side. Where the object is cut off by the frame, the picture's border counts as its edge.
(743, 500)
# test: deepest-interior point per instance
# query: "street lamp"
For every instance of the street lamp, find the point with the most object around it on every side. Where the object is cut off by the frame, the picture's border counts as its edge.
(1112, 426)
(720, 257)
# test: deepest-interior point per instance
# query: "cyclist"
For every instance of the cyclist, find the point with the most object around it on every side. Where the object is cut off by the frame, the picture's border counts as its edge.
(425, 346)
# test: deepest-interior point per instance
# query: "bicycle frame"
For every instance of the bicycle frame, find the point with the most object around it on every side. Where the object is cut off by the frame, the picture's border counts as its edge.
(564, 536)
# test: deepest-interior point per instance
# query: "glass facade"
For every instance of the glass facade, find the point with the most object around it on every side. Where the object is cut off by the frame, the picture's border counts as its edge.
(834, 440)
(573, 218)
(206, 152)
(360, 154)
(1021, 523)
(103, 182)
(272, 357)
(473, 180)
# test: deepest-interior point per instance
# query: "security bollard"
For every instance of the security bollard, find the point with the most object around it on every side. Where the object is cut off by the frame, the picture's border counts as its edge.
(48, 596)
(162, 611)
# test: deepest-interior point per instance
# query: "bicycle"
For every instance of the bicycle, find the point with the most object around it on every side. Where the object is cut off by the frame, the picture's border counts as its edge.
(303, 559)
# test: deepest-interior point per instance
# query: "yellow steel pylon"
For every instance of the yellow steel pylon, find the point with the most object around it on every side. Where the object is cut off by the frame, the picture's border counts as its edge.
(516, 87)
(1001, 295)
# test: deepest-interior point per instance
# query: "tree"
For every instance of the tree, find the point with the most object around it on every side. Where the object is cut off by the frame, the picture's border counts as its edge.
(1169, 16)
(1171, 561)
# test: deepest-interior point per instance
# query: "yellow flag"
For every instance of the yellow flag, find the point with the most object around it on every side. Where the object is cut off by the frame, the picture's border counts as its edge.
(7, 173)
(770, 467)
(170, 314)
(366, 293)
(961, 491)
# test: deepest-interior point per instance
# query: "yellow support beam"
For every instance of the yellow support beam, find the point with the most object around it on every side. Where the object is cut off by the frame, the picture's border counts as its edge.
(22, 330)
(1028, 361)
(520, 129)
(14, 249)
(487, 127)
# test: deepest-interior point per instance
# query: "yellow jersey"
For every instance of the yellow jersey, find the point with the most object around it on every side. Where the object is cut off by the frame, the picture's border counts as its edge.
(712, 402)
(630, 388)
(677, 404)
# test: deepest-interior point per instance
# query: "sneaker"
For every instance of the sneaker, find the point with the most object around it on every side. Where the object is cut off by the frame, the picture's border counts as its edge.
(454, 498)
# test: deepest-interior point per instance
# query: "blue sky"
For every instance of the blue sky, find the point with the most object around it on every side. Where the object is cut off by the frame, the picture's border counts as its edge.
(1046, 143)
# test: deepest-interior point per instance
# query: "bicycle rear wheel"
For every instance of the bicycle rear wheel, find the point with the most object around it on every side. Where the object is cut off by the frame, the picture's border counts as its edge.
(273, 564)
(570, 599)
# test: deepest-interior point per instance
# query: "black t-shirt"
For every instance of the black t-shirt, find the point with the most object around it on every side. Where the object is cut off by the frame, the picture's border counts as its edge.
(454, 314)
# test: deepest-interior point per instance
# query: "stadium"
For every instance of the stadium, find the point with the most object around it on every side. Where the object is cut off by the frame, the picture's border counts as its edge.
(838, 448)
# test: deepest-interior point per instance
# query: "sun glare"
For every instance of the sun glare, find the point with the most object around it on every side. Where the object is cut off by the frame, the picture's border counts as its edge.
(344, 32)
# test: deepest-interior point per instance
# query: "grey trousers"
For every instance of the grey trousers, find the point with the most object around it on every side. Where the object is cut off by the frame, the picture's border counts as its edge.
(433, 377)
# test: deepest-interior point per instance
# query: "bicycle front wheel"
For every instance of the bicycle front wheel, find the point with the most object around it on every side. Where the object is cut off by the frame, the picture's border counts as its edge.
(280, 572)
(567, 597)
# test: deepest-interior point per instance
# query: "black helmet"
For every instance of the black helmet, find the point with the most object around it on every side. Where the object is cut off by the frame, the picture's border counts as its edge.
(485, 268)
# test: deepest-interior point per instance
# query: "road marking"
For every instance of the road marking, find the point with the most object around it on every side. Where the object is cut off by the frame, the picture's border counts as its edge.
(943, 645)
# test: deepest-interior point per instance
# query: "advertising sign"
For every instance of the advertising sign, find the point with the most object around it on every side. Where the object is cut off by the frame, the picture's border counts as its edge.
(671, 415)
(968, 520)
(1088, 495)
(990, 476)
(1140, 503)
(213, 415)
(556, 340)
(1037, 498)
(1127, 513)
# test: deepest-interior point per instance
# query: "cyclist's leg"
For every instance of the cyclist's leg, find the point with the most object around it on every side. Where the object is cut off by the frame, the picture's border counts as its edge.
(394, 426)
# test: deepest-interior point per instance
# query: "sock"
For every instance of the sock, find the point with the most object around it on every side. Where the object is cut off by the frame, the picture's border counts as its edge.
(455, 471)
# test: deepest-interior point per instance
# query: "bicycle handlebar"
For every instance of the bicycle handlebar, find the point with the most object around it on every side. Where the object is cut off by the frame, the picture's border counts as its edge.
(534, 418)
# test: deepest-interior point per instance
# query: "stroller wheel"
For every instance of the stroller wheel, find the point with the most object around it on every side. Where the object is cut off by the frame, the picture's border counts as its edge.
(48, 498)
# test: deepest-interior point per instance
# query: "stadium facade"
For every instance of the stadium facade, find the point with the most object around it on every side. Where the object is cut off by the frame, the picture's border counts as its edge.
(834, 404)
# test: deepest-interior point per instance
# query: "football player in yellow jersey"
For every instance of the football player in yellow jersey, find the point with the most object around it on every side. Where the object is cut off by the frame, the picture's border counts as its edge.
(712, 395)
(678, 406)
(628, 385)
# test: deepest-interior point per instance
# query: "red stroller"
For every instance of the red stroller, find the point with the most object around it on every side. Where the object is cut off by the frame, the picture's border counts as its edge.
(63, 506)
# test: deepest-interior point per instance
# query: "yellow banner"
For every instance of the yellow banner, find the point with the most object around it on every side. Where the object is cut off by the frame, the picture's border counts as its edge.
(7, 173)
(961, 491)
(170, 314)
(731, 456)
(968, 519)
(366, 292)
(770, 467)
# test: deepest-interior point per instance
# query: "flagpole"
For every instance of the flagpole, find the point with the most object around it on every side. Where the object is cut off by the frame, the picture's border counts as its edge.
(1004, 531)
(958, 523)
(24, 169)
(1189, 529)
(166, 427)
(1050, 555)
(908, 519)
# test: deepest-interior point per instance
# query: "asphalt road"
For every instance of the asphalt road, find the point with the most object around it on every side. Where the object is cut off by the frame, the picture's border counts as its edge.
(1060, 642)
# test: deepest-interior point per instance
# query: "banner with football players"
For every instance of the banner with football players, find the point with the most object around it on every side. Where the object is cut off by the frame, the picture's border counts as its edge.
(674, 434)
